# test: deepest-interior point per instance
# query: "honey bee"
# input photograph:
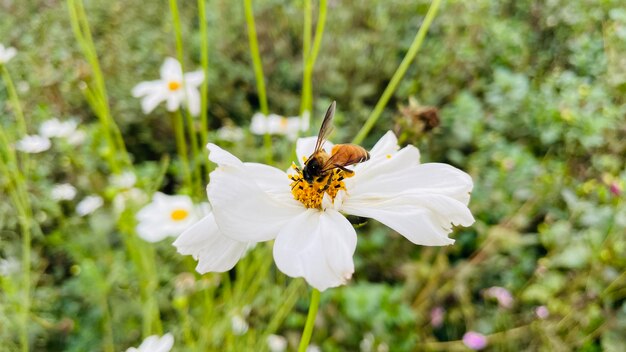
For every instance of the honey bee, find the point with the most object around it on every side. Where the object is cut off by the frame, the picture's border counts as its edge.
(320, 164)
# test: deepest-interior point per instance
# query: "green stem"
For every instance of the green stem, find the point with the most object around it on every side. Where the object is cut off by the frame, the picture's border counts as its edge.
(181, 147)
(306, 50)
(310, 321)
(399, 74)
(310, 55)
(204, 88)
(258, 73)
(15, 101)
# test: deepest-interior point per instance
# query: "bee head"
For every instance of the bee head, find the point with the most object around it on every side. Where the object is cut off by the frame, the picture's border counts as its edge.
(312, 169)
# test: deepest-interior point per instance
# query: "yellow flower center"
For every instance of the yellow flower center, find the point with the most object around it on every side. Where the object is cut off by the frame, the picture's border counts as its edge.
(179, 214)
(173, 85)
(311, 194)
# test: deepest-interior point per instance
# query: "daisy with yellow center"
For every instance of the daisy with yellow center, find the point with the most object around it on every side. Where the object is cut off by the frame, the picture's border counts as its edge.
(174, 88)
(167, 216)
(254, 203)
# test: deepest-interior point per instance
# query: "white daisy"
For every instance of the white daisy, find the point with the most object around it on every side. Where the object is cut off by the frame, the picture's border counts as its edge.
(54, 128)
(276, 343)
(155, 343)
(63, 191)
(33, 144)
(167, 216)
(230, 133)
(88, 205)
(174, 88)
(6, 54)
(255, 202)
(238, 324)
(276, 124)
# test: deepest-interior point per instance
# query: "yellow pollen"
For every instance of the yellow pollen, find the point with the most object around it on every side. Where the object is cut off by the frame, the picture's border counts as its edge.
(179, 214)
(311, 195)
(173, 85)
(283, 122)
(388, 156)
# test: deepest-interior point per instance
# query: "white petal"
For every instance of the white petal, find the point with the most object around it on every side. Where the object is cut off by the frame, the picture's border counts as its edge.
(194, 79)
(150, 102)
(147, 88)
(317, 246)
(306, 146)
(171, 70)
(173, 101)
(258, 125)
(423, 219)
(430, 178)
(243, 210)
(213, 251)
(272, 181)
(388, 144)
(384, 165)
(193, 101)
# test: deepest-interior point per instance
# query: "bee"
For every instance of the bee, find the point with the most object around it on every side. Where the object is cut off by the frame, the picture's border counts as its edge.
(320, 164)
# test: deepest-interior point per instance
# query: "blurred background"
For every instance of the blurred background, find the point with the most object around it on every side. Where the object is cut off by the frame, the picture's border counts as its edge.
(527, 96)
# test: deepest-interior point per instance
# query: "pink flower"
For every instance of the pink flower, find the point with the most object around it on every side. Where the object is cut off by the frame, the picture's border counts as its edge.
(615, 189)
(475, 340)
(542, 312)
(501, 294)
(437, 315)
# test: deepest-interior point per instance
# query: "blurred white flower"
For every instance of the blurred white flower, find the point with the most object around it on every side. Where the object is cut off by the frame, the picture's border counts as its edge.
(313, 348)
(155, 343)
(367, 343)
(313, 239)
(276, 124)
(276, 343)
(33, 144)
(238, 324)
(230, 133)
(60, 129)
(6, 54)
(167, 216)
(124, 180)
(128, 196)
(76, 138)
(174, 88)
(88, 205)
(63, 191)
(501, 294)
(9, 266)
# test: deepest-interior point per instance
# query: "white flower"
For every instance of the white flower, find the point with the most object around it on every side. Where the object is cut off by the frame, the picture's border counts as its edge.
(255, 202)
(174, 88)
(33, 144)
(76, 138)
(124, 180)
(88, 205)
(276, 343)
(60, 129)
(128, 197)
(155, 343)
(63, 191)
(9, 266)
(238, 324)
(167, 216)
(6, 54)
(276, 124)
(230, 133)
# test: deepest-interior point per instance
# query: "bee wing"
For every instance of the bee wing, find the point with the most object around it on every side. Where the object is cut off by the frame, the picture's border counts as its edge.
(345, 155)
(326, 128)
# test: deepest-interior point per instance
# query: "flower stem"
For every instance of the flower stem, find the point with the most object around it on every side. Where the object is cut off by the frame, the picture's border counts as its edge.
(204, 88)
(310, 54)
(310, 321)
(258, 73)
(399, 74)
(181, 147)
(193, 139)
(17, 107)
